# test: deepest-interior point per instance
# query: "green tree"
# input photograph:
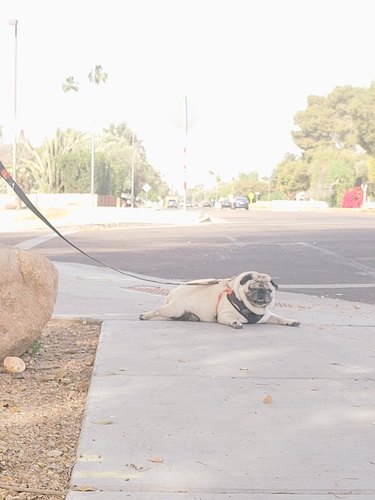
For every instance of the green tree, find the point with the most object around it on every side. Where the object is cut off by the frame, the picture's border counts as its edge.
(328, 121)
(62, 164)
(246, 183)
(371, 169)
(75, 173)
(314, 124)
(116, 143)
(336, 133)
(332, 173)
(291, 176)
(198, 193)
(363, 111)
(43, 165)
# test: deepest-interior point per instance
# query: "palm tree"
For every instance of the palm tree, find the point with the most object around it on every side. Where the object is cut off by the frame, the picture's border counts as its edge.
(70, 84)
(96, 76)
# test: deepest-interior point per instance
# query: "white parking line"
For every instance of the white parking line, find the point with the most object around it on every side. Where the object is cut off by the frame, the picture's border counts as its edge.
(233, 240)
(34, 242)
(329, 285)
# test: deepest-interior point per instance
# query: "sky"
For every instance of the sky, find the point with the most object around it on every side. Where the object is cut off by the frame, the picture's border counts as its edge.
(245, 67)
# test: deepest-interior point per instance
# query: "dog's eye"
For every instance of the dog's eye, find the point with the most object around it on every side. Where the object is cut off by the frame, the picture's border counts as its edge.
(260, 286)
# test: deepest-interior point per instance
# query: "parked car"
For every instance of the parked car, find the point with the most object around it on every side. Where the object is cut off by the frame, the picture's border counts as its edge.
(206, 204)
(240, 202)
(172, 204)
(225, 203)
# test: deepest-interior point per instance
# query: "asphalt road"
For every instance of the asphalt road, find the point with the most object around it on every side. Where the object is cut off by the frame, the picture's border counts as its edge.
(321, 253)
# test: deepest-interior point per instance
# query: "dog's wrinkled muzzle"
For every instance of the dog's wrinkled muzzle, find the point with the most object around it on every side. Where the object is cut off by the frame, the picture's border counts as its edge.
(260, 296)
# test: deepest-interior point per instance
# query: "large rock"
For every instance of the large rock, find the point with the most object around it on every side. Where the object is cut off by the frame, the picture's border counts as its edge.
(28, 290)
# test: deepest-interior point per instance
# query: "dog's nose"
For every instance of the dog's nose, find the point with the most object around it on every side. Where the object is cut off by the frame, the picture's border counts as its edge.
(262, 296)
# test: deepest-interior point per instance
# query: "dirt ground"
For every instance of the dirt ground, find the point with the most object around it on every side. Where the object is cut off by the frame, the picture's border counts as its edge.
(41, 412)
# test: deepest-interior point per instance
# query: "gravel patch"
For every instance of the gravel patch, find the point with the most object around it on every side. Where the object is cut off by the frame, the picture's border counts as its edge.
(41, 411)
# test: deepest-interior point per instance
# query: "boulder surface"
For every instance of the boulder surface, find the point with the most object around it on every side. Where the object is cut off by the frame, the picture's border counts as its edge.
(28, 291)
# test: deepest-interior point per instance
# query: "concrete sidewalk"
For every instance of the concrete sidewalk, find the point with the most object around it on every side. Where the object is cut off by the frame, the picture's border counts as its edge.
(181, 410)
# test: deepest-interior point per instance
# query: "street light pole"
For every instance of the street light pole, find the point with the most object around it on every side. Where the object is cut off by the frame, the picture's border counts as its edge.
(133, 172)
(14, 22)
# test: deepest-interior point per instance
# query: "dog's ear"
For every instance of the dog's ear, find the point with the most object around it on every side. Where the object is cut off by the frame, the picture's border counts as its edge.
(246, 278)
(275, 284)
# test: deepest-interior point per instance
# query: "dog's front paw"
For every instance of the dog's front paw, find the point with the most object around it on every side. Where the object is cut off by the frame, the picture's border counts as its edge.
(294, 323)
(291, 322)
(236, 324)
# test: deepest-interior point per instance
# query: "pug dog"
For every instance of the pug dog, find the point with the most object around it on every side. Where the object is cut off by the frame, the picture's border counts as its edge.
(246, 298)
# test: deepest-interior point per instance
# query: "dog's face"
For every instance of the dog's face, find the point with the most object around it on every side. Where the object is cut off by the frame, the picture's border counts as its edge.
(256, 290)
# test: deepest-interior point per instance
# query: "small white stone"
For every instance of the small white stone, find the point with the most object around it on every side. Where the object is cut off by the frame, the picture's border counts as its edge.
(14, 364)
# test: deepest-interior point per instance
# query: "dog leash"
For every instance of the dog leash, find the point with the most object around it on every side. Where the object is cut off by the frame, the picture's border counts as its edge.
(23, 197)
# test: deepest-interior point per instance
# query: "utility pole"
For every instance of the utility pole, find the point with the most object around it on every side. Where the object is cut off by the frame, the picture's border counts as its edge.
(92, 163)
(133, 173)
(185, 150)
